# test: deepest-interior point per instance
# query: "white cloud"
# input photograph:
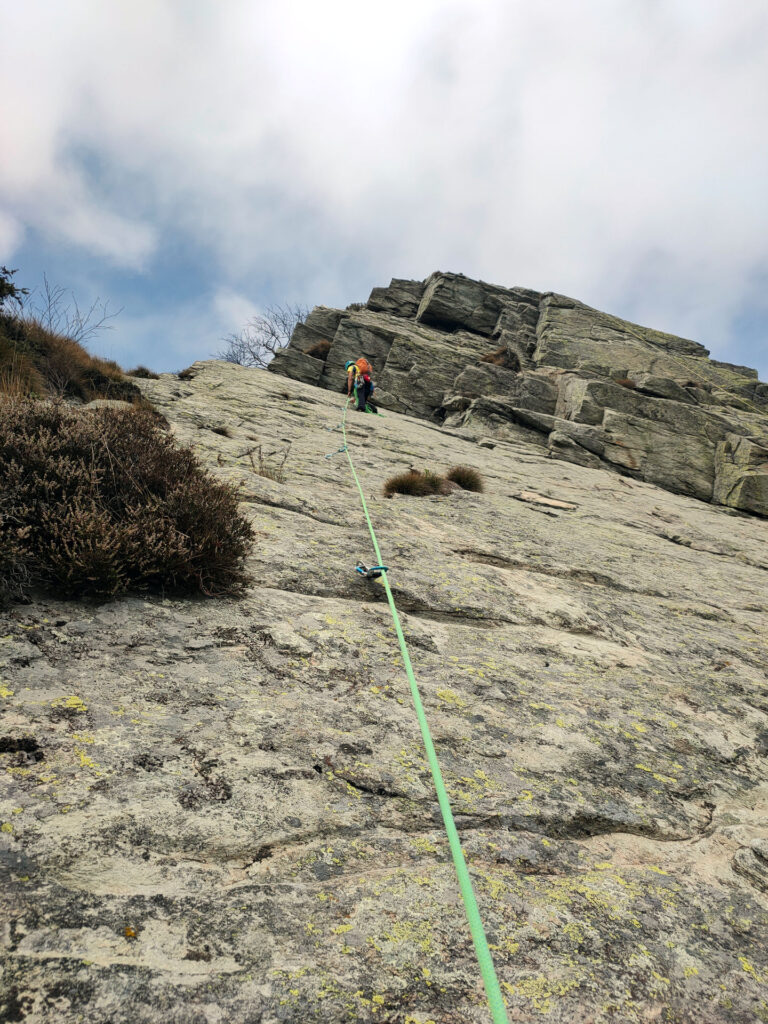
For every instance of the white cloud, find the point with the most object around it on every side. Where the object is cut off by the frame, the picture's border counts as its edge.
(11, 234)
(612, 151)
(233, 309)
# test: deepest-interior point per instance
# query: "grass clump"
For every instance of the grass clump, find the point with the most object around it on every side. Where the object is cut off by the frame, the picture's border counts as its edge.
(415, 483)
(271, 465)
(144, 372)
(467, 478)
(100, 503)
(502, 357)
(319, 350)
(625, 382)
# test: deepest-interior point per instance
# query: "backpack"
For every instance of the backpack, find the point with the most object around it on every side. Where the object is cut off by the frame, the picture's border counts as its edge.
(364, 366)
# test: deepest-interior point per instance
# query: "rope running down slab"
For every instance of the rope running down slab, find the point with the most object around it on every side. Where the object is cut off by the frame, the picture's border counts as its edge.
(491, 982)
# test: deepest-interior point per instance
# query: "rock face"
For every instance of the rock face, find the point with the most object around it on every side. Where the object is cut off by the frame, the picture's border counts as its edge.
(597, 390)
(219, 812)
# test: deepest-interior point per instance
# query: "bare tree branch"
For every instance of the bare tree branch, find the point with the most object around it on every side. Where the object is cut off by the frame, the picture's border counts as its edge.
(68, 319)
(263, 336)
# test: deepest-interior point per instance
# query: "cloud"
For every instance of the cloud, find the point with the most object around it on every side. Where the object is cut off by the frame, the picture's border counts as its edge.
(233, 309)
(11, 233)
(611, 151)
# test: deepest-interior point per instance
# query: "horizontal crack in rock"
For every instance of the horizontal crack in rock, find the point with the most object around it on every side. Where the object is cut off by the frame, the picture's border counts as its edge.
(581, 575)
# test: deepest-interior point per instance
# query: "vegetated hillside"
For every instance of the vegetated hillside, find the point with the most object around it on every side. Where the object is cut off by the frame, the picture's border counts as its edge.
(220, 811)
(41, 362)
(588, 387)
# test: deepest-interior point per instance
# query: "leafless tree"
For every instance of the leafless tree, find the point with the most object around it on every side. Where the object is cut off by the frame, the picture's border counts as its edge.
(62, 315)
(263, 336)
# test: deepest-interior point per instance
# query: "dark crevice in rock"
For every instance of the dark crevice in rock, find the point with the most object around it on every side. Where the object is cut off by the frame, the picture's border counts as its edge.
(347, 776)
(260, 499)
(362, 787)
(407, 603)
(26, 749)
(588, 576)
(752, 864)
(263, 853)
(421, 610)
(20, 744)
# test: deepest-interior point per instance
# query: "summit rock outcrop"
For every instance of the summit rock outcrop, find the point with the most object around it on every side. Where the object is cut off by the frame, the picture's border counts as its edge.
(588, 387)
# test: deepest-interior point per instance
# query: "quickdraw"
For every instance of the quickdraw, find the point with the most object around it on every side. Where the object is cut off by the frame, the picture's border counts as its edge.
(371, 573)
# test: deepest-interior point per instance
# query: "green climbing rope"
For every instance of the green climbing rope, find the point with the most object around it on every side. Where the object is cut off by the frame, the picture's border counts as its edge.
(491, 982)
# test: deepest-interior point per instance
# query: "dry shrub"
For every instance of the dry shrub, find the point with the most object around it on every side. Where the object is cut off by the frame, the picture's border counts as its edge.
(466, 477)
(19, 379)
(502, 357)
(415, 483)
(37, 361)
(625, 382)
(18, 375)
(104, 502)
(143, 371)
(271, 464)
(141, 403)
(319, 350)
(497, 358)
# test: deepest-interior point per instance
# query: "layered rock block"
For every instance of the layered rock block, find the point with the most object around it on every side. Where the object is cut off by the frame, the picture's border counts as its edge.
(594, 389)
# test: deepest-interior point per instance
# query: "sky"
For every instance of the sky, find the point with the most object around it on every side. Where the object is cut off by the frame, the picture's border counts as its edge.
(194, 161)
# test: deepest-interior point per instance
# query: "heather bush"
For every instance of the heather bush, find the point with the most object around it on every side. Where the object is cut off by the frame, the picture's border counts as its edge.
(466, 477)
(100, 503)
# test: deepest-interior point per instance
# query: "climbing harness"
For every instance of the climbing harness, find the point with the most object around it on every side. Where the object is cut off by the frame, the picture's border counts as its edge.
(483, 953)
(373, 573)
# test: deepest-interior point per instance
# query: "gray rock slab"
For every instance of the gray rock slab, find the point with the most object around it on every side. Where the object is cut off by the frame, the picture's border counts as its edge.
(232, 819)
(452, 301)
(400, 298)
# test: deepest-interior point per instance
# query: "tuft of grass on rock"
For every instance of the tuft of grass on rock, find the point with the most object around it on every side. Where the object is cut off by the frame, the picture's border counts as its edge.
(319, 350)
(105, 502)
(502, 357)
(625, 382)
(271, 465)
(416, 483)
(143, 371)
(467, 478)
